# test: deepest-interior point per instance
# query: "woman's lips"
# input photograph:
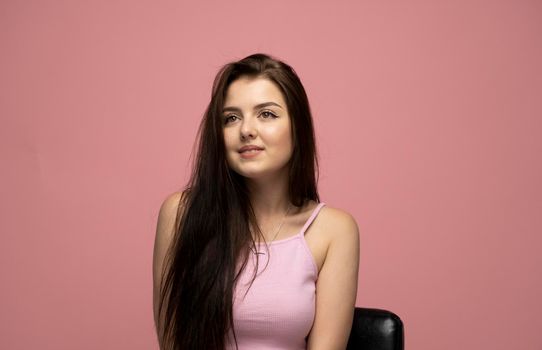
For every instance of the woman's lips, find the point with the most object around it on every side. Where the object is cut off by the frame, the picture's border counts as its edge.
(250, 154)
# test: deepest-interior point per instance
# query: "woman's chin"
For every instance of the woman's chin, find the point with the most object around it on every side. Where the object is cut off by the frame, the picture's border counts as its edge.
(254, 174)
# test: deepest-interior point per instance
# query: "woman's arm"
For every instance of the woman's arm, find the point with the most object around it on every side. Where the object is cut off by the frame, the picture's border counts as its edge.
(336, 287)
(165, 230)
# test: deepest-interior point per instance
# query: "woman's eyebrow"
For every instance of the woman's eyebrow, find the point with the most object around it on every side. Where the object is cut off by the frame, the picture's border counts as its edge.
(258, 106)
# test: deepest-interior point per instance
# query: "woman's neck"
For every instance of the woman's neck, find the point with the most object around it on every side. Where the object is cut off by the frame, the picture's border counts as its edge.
(269, 196)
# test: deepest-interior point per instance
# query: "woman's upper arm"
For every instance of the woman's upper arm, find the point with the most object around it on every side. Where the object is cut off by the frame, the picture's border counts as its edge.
(336, 287)
(165, 230)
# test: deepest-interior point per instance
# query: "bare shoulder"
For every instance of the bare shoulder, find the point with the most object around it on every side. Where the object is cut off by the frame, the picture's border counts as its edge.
(337, 215)
(172, 204)
(339, 223)
(172, 201)
(166, 225)
(341, 232)
(336, 287)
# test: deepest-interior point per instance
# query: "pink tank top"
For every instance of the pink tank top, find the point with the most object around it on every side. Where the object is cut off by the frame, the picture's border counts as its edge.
(278, 310)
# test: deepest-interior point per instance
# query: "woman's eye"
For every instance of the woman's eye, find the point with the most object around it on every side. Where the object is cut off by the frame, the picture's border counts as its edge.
(269, 114)
(228, 118)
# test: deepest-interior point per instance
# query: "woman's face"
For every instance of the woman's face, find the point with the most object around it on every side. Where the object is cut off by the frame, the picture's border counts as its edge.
(255, 113)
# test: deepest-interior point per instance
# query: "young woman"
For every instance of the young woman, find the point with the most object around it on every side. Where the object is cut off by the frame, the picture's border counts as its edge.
(246, 256)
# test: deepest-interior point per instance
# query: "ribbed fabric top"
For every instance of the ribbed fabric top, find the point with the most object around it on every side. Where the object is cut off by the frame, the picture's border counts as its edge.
(278, 310)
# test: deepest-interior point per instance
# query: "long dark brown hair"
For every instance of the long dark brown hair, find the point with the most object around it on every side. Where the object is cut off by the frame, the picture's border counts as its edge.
(212, 230)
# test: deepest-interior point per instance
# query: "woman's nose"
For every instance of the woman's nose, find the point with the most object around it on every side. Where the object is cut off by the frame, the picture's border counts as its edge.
(248, 129)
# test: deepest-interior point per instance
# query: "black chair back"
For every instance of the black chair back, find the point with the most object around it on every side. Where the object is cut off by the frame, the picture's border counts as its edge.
(376, 329)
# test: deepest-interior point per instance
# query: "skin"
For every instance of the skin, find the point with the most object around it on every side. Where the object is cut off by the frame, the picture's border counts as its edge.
(332, 238)
(268, 127)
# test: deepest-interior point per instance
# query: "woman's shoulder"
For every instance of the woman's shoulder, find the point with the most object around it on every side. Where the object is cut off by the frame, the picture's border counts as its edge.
(333, 238)
(172, 201)
(338, 223)
(335, 215)
(172, 208)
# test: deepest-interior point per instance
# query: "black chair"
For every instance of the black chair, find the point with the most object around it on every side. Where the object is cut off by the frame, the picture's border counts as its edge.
(376, 329)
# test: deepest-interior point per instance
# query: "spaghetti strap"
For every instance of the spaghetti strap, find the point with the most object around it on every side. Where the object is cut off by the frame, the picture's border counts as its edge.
(311, 218)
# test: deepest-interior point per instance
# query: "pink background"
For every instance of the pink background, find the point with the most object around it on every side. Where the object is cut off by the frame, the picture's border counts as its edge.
(428, 121)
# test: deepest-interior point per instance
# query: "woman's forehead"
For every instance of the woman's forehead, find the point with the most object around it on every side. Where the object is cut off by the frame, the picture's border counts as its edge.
(247, 92)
